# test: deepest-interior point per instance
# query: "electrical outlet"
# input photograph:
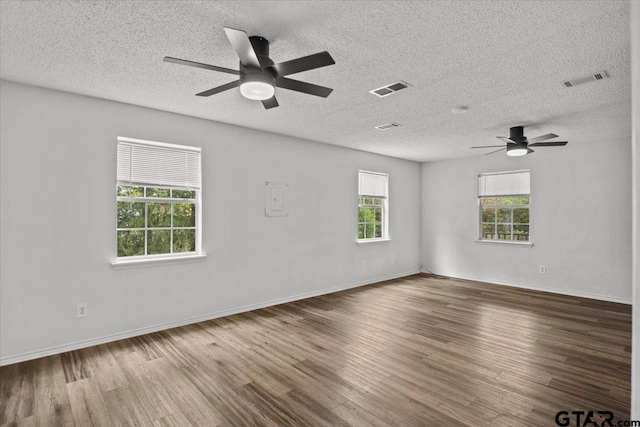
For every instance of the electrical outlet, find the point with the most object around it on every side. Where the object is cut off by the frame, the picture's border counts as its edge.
(363, 263)
(393, 260)
(542, 269)
(379, 263)
(82, 309)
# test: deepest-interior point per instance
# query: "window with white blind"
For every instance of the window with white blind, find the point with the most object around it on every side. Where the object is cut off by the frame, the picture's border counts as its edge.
(158, 200)
(373, 192)
(504, 199)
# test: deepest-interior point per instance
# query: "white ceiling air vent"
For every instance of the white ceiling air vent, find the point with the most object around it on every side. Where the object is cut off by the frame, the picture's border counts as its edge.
(388, 126)
(389, 89)
(596, 76)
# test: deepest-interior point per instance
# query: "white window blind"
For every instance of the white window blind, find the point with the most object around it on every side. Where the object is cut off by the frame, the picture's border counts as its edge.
(372, 184)
(153, 163)
(504, 184)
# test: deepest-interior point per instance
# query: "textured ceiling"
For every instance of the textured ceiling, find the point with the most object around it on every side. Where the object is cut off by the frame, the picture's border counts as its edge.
(505, 61)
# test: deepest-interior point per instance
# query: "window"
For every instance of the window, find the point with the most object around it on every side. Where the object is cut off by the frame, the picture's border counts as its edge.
(504, 201)
(158, 199)
(372, 205)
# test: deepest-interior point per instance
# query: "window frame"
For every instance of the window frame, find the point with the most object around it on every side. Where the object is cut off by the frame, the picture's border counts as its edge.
(170, 257)
(479, 233)
(496, 223)
(384, 206)
(381, 223)
(171, 228)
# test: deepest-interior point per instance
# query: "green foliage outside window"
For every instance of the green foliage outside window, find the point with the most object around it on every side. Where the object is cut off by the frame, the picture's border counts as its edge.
(505, 218)
(130, 242)
(370, 218)
(147, 227)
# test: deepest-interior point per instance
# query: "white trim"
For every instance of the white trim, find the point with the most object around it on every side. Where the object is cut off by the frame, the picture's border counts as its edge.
(374, 173)
(147, 261)
(8, 360)
(141, 199)
(503, 173)
(360, 241)
(506, 242)
(635, 208)
(160, 144)
(549, 290)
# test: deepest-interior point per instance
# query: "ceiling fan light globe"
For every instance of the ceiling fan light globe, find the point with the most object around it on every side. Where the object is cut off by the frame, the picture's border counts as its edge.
(258, 87)
(516, 150)
(257, 91)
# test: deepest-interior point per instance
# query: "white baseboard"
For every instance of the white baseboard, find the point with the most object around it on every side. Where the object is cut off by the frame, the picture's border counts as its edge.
(8, 360)
(550, 290)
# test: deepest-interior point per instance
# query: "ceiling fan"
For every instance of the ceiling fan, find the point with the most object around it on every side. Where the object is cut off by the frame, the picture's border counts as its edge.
(518, 144)
(259, 76)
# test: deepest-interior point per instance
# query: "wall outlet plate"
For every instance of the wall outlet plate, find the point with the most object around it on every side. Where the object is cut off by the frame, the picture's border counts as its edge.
(82, 310)
(542, 269)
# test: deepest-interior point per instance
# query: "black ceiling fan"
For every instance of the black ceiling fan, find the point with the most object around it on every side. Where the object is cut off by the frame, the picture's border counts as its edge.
(518, 144)
(259, 76)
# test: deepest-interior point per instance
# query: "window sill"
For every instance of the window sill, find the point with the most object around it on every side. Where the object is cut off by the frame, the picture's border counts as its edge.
(366, 241)
(506, 242)
(149, 262)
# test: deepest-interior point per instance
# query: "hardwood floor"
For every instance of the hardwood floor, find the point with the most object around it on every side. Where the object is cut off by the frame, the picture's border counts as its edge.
(419, 351)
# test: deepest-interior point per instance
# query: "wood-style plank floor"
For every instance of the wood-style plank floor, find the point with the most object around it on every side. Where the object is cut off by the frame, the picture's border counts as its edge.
(416, 351)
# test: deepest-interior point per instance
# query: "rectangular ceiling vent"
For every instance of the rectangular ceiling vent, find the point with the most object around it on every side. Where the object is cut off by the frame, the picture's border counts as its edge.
(597, 76)
(388, 126)
(389, 89)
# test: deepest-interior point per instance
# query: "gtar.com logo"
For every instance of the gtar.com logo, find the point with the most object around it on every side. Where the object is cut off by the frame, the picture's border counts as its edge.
(585, 418)
(591, 419)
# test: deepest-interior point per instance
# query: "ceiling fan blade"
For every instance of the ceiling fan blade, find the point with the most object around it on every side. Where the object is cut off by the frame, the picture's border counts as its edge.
(543, 137)
(549, 144)
(495, 151)
(489, 146)
(242, 45)
(303, 87)
(305, 63)
(219, 89)
(270, 103)
(199, 65)
(505, 139)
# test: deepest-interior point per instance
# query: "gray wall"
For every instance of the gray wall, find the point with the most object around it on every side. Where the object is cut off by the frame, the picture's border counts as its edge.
(580, 221)
(58, 163)
(57, 182)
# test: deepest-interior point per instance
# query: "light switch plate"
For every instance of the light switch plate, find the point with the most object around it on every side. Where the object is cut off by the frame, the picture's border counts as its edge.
(276, 201)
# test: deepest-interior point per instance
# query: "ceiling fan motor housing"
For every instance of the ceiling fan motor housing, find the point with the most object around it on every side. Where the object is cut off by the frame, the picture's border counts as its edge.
(516, 133)
(250, 75)
(261, 47)
(258, 83)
